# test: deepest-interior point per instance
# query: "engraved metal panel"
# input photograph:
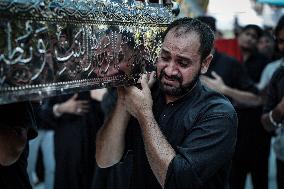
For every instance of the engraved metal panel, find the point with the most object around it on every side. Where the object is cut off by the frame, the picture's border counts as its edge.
(54, 47)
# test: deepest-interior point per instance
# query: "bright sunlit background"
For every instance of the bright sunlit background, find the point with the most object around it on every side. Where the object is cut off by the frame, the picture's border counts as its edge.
(225, 11)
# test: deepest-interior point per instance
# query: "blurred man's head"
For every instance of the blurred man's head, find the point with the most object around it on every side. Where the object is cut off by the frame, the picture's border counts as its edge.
(16, 127)
(249, 37)
(279, 34)
(266, 44)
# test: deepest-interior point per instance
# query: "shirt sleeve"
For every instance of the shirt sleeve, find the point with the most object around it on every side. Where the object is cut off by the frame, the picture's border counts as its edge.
(272, 98)
(46, 113)
(264, 79)
(242, 79)
(208, 147)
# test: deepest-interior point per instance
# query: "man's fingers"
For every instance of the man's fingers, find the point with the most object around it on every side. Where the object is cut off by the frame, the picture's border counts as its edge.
(84, 106)
(82, 101)
(144, 80)
(204, 79)
(145, 83)
(215, 75)
(152, 79)
(74, 96)
(207, 81)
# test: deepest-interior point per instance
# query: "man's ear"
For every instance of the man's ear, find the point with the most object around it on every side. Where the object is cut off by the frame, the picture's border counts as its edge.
(206, 63)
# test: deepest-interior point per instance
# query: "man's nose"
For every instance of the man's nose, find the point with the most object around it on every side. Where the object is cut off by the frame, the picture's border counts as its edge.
(171, 69)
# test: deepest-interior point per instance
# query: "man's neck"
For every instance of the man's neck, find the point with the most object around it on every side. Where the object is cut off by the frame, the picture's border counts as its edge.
(170, 99)
(246, 54)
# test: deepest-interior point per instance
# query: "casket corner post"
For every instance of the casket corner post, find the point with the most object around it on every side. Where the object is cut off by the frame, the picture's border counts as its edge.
(53, 47)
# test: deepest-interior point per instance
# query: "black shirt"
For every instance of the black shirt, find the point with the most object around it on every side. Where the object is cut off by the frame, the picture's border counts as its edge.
(15, 176)
(254, 66)
(74, 141)
(276, 90)
(253, 140)
(201, 127)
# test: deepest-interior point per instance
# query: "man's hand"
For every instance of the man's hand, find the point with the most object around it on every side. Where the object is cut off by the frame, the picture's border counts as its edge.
(216, 83)
(152, 79)
(138, 101)
(74, 106)
(280, 108)
(277, 115)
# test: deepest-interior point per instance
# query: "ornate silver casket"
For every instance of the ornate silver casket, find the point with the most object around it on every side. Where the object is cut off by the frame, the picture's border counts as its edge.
(52, 47)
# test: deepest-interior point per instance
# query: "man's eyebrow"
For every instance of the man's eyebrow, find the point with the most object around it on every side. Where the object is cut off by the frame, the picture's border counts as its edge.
(184, 58)
(164, 51)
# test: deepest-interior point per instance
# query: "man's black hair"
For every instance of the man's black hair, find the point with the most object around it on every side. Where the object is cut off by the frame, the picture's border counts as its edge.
(254, 27)
(279, 26)
(186, 25)
(209, 20)
(268, 34)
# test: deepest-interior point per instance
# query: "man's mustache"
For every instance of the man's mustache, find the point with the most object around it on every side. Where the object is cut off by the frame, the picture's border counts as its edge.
(172, 78)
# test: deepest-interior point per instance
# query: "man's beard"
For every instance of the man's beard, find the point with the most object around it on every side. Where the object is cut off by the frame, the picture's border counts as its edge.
(181, 89)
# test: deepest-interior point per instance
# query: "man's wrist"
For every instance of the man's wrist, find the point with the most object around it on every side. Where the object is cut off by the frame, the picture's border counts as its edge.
(56, 110)
(145, 115)
(275, 118)
(279, 111)
(120, 106)
(225, 90)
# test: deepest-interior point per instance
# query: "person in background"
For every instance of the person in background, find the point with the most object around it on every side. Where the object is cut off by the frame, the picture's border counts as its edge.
(45, 142)
(267, 45)
(181, 129)
(17, 126)
(273, 119)
(253, 143)
(227, 76)
(273, 115)
(76, 119)
(271, 67)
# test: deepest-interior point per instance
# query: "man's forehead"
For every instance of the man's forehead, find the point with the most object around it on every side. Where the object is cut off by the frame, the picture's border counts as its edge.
(180, 33)
(185, 42)
(251, 31)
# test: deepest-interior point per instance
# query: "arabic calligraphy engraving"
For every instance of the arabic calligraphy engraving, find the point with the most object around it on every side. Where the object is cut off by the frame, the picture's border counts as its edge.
(51, 47)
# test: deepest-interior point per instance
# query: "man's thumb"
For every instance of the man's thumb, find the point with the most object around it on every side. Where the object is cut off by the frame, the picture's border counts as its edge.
(144, 81)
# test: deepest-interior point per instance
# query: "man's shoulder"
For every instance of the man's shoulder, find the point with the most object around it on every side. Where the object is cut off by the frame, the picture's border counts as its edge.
(211, 108)
(274, 64)
(217, 101)
(278, 74)
(209, 101)
(224, 58)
